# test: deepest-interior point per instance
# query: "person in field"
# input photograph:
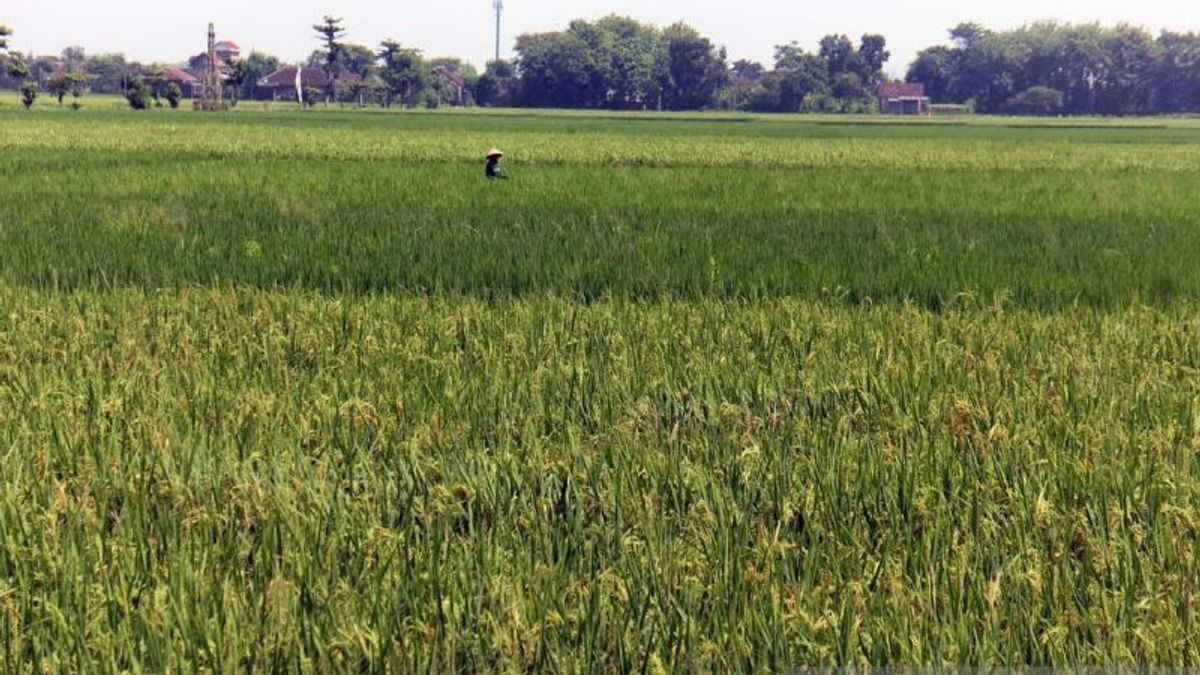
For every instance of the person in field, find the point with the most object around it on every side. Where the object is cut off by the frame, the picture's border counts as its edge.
(492, 170)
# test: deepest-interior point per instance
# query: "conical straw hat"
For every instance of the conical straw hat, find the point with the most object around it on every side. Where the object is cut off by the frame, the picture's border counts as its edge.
(494, 153)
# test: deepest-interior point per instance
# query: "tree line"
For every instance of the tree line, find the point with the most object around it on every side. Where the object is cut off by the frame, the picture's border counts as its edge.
(616, 62)
(1074, 69)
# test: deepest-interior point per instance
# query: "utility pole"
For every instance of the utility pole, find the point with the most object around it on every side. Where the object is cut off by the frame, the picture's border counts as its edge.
(499, 5)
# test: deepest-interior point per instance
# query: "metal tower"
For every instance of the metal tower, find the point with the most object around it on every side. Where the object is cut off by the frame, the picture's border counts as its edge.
(209, 95)
(499, 6)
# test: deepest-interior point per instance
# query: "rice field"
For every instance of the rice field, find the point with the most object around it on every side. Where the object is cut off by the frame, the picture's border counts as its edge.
(302, 392)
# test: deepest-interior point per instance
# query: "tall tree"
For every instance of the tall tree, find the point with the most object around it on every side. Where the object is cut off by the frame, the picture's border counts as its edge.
(498, 86)
(404, 72)
(839, 54)
(258, 65)
(801, 75)
(558, 70)
(331, 32)
(695, 69)
(934, 67)
(872, 55)
(73, 59)
(5, 33)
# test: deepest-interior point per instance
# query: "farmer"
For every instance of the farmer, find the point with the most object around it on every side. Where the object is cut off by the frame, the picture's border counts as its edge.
(492, 171)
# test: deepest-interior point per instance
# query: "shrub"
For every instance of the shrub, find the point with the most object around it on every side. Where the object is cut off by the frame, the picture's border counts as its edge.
(174, 94)
(1036, 101)
(29, 93)
(137, 94)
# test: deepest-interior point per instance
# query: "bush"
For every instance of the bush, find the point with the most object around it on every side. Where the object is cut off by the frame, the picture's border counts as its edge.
(137, 94)
(174, 94)
(1042, 101)
(29, 93)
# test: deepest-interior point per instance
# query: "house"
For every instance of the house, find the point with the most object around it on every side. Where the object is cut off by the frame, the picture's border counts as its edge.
(903, 98)
(458, 86)
(281, 84)
(186, 82)
(227, 51)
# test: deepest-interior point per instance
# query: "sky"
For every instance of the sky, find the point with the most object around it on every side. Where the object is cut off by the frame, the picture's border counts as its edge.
(169, 31)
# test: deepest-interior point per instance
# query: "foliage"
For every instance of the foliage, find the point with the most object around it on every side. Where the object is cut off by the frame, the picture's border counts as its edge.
(617, 62)
(5, 32)
(1121, 70)
(330, 31)
(174, 95)
(404, 72)
(29, 93)
(498, 86)
(137, 94)
(839, 78)
(257, 66)
(1036, 101)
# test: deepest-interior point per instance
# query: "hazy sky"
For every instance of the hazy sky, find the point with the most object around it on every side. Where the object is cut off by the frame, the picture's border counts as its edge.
(168, 30)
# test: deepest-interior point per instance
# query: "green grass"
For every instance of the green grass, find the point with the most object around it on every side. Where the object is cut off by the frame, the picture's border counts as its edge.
(396, 203)
(302, 392)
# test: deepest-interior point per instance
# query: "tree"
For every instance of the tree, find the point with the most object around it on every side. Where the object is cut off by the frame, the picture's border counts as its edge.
(174, 94)
(257, 66)
(745, 76)
(109, 72)
(238, 72)
(1036, 101)
(330, 31)
(58, 86)
(934, 68)
(872, 55)
(137, 94)
(498, 85)
(29, 93)
(839, 54)
(558, 70)
(358, 60)
(73, 59)
(695, 69)
(158, 83)
(801, 76)
(5, 33)
(404, 73)
(80, 84)
(1178, 77)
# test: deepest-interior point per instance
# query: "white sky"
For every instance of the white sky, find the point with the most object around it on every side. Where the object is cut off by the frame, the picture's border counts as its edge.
(170, 30)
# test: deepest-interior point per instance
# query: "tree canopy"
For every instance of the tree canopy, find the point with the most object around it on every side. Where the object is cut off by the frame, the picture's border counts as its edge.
(1093, 69)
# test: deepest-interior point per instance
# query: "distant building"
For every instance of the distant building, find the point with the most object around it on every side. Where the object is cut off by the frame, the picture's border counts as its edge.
(281, 84)
(186, 82)
(458, 86)
(903, 98)
(228, 51)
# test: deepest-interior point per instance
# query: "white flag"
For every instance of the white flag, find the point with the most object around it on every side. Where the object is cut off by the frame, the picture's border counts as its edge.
(299, 85)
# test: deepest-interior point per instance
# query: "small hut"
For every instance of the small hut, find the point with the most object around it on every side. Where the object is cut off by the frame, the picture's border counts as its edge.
(903, 98)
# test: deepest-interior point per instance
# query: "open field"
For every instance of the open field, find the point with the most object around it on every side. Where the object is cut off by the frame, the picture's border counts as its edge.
(300, 391)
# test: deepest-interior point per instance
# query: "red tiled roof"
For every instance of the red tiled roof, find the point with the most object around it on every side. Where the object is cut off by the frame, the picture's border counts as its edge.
(286, 77)
(448, 73)
(227, 46)
(180, 76)
(889, 90)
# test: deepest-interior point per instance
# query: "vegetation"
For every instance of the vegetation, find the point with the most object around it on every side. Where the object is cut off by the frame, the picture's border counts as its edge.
(1097, 70)
(301, 391)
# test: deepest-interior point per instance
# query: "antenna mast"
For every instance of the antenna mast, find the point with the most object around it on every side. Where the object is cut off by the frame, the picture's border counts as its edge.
(499, 5)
